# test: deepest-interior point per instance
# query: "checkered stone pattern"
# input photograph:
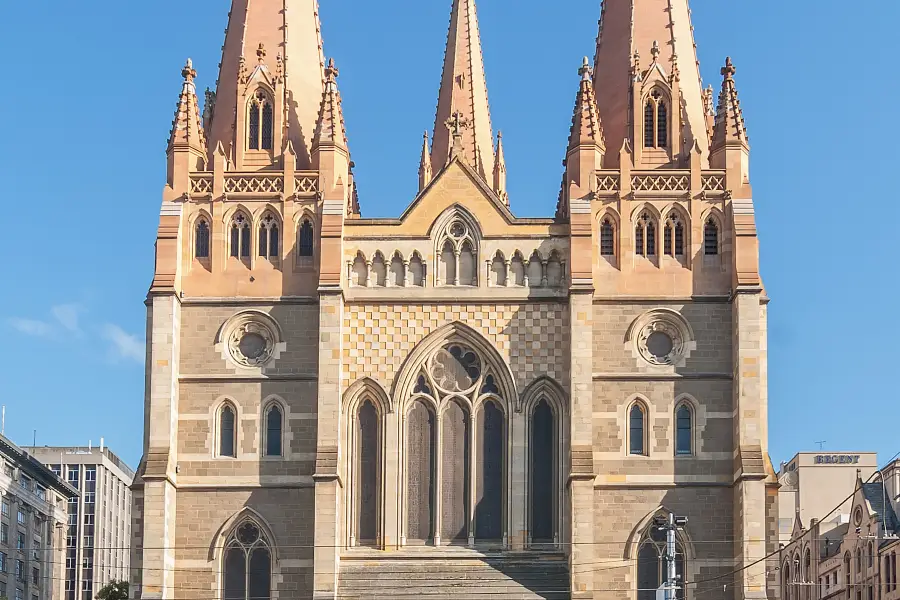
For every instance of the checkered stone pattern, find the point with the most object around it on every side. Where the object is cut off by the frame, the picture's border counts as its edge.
(532, 338)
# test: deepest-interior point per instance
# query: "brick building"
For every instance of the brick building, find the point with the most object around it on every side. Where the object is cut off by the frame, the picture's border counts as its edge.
(457, 400)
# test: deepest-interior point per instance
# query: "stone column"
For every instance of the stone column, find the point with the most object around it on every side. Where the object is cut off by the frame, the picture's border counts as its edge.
(391, 480)
(328, 483)
(518, 462)
(581, 467)
(158, 508)
(749, 433)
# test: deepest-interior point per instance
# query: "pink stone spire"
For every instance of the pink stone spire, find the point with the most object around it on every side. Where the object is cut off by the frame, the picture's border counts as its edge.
(330, 128)
(586, 126)
(259, 31)
(729, 126)
(628, 29)
(464, 90)
(187, 130)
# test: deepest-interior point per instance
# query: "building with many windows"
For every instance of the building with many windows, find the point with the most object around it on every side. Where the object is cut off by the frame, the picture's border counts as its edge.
(813, 483)
(855, 560)
(32, 520)
(456, 400)
(98, 531)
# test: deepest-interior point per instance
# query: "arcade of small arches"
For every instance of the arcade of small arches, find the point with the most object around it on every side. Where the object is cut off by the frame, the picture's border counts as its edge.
(244, 235)
(675, 239)
(857, 577)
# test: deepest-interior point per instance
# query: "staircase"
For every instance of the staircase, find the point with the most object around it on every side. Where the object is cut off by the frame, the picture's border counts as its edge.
(453, 575)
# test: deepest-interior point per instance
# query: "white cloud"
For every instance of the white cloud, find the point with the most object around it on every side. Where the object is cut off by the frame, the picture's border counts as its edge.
(124, 345)
(67, 316)
(32, 327)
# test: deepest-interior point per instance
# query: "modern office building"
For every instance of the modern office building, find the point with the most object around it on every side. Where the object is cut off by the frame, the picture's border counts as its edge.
(814, 483)
(32, 516)
(99, 516)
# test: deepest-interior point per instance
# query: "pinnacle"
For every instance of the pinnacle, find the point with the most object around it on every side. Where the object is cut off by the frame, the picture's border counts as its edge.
(586, 126)
(187, 130)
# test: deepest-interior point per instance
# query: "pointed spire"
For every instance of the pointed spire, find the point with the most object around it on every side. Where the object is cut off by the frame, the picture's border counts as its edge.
(330, 127)
(729, 127)
(586, 125)
(662, 30)
(276, 35)
(425, 171)
(464, 90)
(187, 128)
(500, 171)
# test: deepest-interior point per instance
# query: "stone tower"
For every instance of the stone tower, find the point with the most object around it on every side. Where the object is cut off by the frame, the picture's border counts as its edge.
(456, 402)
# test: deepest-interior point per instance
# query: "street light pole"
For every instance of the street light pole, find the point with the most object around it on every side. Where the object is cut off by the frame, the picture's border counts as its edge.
(671, 527)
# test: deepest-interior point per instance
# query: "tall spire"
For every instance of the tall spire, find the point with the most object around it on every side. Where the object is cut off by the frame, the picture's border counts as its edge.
(330, 128)
(729, 126)
(500, 171)
(586, 126)
(464, 90)
(425, 172)
(187, 131)
(283, 37)
(628, 30)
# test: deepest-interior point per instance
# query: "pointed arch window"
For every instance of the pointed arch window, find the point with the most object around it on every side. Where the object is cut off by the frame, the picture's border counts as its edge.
(847, 561)
(306, 242)
(458, 255)
(684, 431)
(201, 239)
(711, 237)
(274, 427)
(227, 432)
(607, 237)
(652, 565)
(268, 237)
(636, 430)
(673, 236)
(645, 235)
(367, 474)
(656, 121)
(543, 460)
(240, 236)
(261, 125)
(247, 564)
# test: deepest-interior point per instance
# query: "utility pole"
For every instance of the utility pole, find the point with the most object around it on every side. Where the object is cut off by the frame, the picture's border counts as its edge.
(671, 527)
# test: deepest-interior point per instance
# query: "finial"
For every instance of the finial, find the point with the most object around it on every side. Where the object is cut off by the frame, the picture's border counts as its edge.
(585, 70)
(499, 135)
(261, 52)
(331, 71)
(654, 51)
(188, 71)
(456, 123)
(728, 70)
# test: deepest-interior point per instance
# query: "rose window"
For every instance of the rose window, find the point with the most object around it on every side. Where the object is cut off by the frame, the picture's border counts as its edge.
(456, 369)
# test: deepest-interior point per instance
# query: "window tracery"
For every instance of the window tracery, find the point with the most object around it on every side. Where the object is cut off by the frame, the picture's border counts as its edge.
(458, 255)
(656, 121)
(645, 235)
(240, 236)
(651, 562)
(673, 237)
(247, 564)
(607, 237)
(201, 238)
(268, 237)
(261, 124)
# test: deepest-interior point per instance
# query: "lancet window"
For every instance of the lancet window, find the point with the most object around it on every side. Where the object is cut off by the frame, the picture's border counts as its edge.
(306, 239)
(247, 564)
(457, 256)
(201, 238)
(543, 459)
(711, 237)
(227, 432)
(274, 430)
(607, 237)
(261, 125)
(673, 236)
(684, 431)
(268, 237)
(463, 469)
(240, 236)
(652, 564)
(367, 474)
(656, 121)
(645, 235)
(637, 432)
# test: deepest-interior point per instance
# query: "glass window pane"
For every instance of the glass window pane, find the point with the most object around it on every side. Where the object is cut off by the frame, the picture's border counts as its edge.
(268, 126)
(253, 130)
(683, 442)
(260, 575)
(235, 576)
(245, 241)
(226, 432)
(636, 434)
(273, 432)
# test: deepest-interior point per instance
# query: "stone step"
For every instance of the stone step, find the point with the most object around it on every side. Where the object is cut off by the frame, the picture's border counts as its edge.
(448, 577)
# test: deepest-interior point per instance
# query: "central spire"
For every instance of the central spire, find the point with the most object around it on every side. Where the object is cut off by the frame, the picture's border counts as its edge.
(464, 91)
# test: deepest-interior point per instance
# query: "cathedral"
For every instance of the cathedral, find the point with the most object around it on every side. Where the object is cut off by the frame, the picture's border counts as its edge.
(456, 402)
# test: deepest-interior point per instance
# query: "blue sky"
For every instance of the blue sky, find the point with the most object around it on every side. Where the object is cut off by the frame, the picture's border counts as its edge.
(90, 94)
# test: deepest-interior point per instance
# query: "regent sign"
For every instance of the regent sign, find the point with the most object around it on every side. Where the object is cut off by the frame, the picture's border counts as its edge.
(837, 459)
